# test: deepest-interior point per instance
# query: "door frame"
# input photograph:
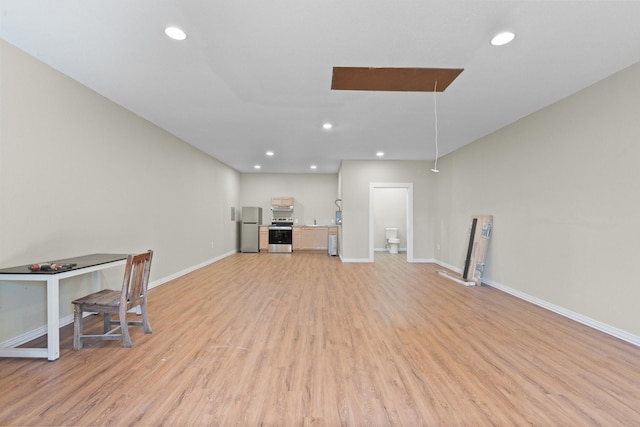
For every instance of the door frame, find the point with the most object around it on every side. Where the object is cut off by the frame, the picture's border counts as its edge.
(408, 186)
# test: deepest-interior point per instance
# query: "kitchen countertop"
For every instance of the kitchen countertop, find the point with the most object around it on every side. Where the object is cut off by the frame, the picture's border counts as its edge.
(306, 225)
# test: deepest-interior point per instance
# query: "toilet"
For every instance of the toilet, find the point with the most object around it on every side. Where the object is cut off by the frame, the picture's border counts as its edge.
(391, 235)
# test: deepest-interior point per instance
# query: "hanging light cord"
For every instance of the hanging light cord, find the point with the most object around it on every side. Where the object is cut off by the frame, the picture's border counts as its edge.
(435, 113)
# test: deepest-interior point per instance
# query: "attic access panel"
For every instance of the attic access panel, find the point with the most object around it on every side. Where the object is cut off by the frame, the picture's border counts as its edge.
(393, 79)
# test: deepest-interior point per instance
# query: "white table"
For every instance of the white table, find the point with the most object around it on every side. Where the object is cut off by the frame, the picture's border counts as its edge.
(84, 264)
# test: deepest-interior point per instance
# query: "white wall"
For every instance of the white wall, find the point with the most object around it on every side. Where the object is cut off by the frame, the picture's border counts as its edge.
(562, 185)
(80, 174)
(314, 195)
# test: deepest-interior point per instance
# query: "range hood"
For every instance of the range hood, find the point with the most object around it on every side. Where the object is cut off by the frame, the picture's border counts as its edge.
(282, 209)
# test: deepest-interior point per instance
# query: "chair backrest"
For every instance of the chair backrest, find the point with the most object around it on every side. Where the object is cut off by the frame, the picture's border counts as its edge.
(136, 278)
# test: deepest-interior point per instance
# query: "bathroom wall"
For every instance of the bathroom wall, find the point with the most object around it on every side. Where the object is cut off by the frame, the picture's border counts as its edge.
(389, 210)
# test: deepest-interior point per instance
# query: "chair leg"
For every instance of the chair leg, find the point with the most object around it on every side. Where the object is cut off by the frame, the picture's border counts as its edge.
(107, 322)
(124, 326)
(77, 327)
(145, 318)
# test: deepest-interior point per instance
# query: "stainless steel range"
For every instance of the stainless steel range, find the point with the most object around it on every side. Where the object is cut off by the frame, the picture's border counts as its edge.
(281, 235)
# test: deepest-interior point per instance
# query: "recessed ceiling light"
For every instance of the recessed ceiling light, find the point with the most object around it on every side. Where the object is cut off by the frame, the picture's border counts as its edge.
(380, 154)
(314, 167)
(175, 33)
(269, 153)
(327, 126)
(503, 38)
(256, 166)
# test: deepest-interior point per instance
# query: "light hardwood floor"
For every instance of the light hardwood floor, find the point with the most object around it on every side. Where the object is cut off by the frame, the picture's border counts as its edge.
(302, 339)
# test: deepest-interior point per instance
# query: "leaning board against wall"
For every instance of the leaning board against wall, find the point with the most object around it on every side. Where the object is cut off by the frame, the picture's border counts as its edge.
(476, 246)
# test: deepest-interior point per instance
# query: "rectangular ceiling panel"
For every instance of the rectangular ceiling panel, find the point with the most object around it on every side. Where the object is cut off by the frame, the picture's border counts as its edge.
(393, 79)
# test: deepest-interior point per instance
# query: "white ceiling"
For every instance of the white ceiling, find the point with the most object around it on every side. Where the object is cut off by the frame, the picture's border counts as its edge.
(255, 75)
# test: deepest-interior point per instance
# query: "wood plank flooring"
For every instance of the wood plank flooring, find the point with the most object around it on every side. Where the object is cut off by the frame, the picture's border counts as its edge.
(304, 340)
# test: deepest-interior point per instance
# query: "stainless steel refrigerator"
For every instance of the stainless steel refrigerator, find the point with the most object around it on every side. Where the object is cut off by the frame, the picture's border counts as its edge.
(250, 232)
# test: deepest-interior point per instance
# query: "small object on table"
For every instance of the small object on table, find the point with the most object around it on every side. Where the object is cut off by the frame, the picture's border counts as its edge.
(47, 266)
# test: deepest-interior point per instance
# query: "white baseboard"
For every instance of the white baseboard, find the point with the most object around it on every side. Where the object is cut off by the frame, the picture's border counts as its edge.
(355, 259)
(424, 261)
(592, 323)
(42, 330)
(595, 324)
(415, 260)
(450, 267)
(189, 270)
(36, 333)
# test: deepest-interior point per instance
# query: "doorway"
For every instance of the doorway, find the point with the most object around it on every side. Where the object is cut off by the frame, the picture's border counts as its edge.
(406, 205)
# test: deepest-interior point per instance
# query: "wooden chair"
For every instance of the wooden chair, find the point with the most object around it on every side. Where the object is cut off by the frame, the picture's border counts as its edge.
(107, 301)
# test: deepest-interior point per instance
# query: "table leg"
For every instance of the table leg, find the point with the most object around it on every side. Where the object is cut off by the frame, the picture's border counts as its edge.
(96, 281)
(53, 317)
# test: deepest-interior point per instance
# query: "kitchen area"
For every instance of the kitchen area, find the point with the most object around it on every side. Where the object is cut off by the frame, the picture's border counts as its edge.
(281, 231)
